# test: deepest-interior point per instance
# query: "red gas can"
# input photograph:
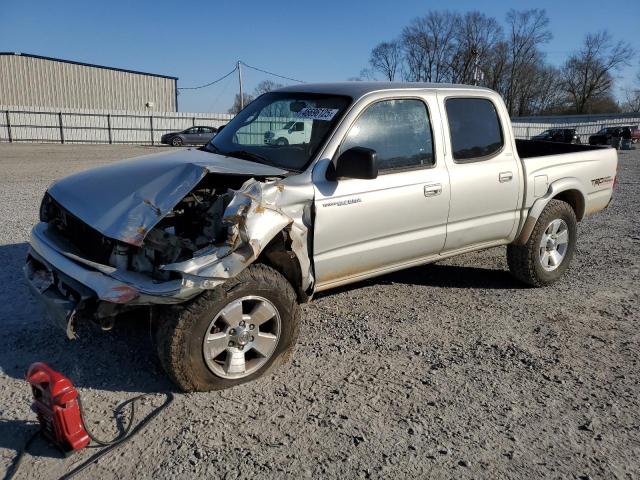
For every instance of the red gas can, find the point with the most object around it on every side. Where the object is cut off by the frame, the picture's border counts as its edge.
(55, 401)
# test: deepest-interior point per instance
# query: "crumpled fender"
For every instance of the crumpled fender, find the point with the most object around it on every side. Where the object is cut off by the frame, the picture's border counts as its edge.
(257, 212)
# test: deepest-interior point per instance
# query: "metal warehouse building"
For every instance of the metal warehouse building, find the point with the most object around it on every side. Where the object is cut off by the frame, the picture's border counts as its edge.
(32, 80)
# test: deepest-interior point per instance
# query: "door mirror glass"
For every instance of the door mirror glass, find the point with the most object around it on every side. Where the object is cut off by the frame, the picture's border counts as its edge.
(357, 162)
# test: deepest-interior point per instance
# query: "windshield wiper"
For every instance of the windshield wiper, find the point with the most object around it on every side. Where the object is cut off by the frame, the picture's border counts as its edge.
(211, 148)
(246, 155)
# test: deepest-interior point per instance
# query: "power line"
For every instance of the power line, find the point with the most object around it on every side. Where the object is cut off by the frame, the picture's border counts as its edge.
(271, 73)
(210, 83)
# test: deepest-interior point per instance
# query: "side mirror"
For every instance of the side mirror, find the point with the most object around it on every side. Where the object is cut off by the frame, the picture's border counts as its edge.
(221, 127)
(357, 162)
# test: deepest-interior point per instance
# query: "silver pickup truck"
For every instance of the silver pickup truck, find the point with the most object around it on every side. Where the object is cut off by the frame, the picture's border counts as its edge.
(221, 244)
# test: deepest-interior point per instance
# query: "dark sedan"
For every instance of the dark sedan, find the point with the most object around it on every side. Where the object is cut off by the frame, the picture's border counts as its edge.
(604, 136)
(190, 136)
(562, 135)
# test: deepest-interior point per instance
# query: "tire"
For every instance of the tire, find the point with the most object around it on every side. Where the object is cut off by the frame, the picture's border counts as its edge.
(177, 142)
(282, 142)
(181, 333)
(527, 262)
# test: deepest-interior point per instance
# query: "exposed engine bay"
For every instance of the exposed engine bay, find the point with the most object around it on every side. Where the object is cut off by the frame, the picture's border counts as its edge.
(211, 234)
(195, 223)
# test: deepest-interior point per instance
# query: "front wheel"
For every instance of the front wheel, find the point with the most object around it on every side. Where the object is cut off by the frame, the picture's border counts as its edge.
(232, 334)
(177, 142)
(548, 252)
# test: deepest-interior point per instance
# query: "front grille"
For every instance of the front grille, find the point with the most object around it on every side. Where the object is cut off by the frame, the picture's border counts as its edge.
(91, 244)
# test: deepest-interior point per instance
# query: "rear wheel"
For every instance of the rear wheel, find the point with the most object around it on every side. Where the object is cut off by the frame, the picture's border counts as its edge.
(177, 142)
(232, 334)
(548, 252)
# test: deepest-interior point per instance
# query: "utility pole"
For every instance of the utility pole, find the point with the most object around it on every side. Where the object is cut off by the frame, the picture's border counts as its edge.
(476, 66)
(239, 67)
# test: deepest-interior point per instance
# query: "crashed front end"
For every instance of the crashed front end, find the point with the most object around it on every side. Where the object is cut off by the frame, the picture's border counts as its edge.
(161, 254)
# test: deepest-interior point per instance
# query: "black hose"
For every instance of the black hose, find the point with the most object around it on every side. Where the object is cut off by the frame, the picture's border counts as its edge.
(122, 438)
(110, 445)
(122, 434)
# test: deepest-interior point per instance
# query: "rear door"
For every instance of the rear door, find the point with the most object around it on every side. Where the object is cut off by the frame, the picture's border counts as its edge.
(484, 172)
(368, 226)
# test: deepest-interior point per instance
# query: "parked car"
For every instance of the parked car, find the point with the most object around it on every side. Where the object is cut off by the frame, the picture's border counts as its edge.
(562, 135)
(224, 242)
(190, 136)
(291, 133)
(604, 135)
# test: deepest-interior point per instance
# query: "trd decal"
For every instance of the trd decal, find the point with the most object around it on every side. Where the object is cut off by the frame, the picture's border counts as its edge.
(596, 182)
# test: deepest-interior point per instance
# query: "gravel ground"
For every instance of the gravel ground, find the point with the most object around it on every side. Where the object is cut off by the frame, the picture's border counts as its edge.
(452, 370)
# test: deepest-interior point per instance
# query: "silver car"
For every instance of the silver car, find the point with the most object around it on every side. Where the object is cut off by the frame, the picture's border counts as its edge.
(190, 136)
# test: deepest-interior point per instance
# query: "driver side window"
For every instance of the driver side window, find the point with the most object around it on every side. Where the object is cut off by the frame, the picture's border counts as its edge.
(398, 130)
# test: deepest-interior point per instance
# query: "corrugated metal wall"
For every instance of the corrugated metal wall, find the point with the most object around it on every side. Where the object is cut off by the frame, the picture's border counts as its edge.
(32, 81)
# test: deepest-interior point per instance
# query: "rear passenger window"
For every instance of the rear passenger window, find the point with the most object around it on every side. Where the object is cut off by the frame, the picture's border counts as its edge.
(398, 130)
(474, 127)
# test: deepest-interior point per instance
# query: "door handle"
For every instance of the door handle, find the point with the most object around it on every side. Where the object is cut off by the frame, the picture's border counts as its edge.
(432, 190)
(505, 177)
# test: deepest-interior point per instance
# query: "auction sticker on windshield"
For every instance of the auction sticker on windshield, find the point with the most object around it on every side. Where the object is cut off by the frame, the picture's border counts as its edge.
(325, 114)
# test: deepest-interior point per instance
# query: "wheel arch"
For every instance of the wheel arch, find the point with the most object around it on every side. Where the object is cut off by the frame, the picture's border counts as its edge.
(279, 255)
(568, 190)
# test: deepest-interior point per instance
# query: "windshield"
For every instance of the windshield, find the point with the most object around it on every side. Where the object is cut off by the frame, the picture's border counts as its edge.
(307, 119)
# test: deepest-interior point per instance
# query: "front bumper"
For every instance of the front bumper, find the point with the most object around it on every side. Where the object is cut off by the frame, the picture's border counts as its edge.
(65, 282)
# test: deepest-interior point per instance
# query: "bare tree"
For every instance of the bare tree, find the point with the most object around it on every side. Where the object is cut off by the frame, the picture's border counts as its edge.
(528, 30)
(366, 74)
(588, 73)
(385, 58)
(235, 108)
(428, 44)
(263, 87)
(266, 86)
(494, 66)
(632, 99)
(478, 35)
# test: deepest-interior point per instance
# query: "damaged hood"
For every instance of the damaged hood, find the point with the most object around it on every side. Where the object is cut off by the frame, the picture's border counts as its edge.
(124, 200)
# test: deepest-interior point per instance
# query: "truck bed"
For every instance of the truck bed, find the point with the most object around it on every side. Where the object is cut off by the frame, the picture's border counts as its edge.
(541, 148)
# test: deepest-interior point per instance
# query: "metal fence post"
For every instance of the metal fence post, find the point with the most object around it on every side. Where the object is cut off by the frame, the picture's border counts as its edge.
(61, 127)
(193, 121)
(151, 124)
(109, 128)
(9, 127)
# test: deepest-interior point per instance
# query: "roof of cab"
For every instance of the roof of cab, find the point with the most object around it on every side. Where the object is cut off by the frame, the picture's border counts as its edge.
(359, 89)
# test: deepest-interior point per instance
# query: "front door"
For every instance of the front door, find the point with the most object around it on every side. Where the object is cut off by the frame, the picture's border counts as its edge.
(368, 226)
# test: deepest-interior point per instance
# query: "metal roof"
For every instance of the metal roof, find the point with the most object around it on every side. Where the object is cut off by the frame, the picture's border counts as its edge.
(18, 54)
(359, 89)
